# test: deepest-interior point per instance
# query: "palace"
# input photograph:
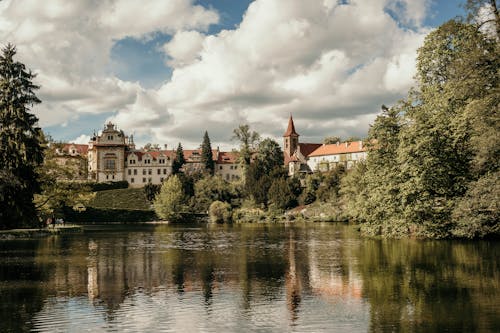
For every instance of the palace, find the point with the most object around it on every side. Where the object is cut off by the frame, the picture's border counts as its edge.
(112, 157)
(311, 157)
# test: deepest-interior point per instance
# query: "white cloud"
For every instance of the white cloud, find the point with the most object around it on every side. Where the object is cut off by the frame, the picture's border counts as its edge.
(184, 48)
(82, 139)
(329, 64)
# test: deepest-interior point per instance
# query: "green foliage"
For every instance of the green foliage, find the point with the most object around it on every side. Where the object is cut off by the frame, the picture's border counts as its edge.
(331, 140)
(21, 149)
(248, 140)
(267, 166)
(127, 198)
(206, 154)
(170, 203)
(328, 189)
(103, 215)
(209, 189)
(269, 155)
(477, 214)
(220, 212)
(432, 167)
(57, 191)
(179, 160)
(96, 187)
(280, 194)
(151, 190)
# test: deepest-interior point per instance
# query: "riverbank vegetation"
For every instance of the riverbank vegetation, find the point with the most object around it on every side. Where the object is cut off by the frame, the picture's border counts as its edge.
(432, 167)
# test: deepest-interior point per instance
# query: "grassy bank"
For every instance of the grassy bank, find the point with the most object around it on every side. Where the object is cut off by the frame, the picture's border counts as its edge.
(35, 233)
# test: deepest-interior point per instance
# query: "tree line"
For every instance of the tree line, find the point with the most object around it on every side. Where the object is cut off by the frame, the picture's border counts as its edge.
(432, 166)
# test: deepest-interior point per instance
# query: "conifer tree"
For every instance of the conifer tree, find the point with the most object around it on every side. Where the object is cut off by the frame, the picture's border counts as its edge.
(179, 160)
(21, 150)
(206, 154)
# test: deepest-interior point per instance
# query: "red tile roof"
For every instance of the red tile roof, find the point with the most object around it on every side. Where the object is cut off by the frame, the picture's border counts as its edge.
(80, 148)
(228, 157)
(307, 148)
(340, 148)
(290, 131)
(155, 154)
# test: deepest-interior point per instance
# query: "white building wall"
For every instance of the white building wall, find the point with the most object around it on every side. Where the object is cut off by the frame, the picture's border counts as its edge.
(229, 171)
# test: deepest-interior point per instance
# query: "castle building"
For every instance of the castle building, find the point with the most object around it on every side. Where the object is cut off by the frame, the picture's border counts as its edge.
(112, 157)
(301, 158)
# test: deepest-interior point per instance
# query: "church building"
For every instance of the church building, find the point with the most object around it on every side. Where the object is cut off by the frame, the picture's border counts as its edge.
(301, 158)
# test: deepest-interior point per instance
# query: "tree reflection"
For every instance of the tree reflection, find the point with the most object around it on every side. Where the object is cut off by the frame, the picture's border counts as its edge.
(429, 286)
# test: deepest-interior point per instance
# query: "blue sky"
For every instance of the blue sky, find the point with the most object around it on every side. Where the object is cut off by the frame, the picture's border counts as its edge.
(169, 70)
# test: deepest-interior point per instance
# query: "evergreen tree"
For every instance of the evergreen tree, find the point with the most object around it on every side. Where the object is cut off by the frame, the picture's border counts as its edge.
(206, 154)
(280, 194)
(179, 160)
(21, 148)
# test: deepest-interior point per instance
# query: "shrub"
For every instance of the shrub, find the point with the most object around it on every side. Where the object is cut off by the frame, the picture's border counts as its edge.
(220, 212)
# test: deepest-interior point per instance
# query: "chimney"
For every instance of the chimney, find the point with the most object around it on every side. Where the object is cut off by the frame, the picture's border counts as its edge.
(338, 143)
(360, 144)
(165, 146)
(346, 144)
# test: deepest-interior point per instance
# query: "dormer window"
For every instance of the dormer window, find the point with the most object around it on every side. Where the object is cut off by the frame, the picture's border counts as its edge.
(162, 161)
(131, 162)
(110, 137)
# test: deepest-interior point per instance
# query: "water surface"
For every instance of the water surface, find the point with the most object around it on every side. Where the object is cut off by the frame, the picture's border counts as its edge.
(246, 278)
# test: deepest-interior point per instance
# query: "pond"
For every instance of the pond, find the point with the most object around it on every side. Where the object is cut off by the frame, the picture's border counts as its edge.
(246, 278)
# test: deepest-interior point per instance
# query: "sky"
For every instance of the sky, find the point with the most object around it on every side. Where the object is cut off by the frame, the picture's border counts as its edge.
(166, 71)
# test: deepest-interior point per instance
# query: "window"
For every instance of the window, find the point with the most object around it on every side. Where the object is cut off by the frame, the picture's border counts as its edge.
(131, 162)
(129, 172)
(149, 180)
(235, 167)
(162, 160)
(227, 176)
(159, 171)
(161, 179)
(135, 172)
(220, 168)
(150, 172)
(143, 172)
(109, 164)
(231, 167)
(107, 176)
(164, 171)
(113, 176)
(132, 180)
(110, 137)
(143, 180)
(147, 161)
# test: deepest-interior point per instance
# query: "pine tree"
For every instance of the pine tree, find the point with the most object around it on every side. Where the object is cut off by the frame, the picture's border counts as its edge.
(21, 150)
(179, 160)
(206, 154)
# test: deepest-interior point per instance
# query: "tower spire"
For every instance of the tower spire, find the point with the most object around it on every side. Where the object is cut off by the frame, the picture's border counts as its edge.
(290, 131)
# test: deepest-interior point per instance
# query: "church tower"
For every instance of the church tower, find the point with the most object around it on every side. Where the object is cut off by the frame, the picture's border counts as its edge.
(290, 138)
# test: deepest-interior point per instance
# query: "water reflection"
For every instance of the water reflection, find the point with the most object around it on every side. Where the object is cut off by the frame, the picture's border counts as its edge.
(266, 278)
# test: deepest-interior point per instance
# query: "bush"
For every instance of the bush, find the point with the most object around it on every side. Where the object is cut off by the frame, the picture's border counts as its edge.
(220, 212)
(95, 187)
(170, 203)
(97, 215)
